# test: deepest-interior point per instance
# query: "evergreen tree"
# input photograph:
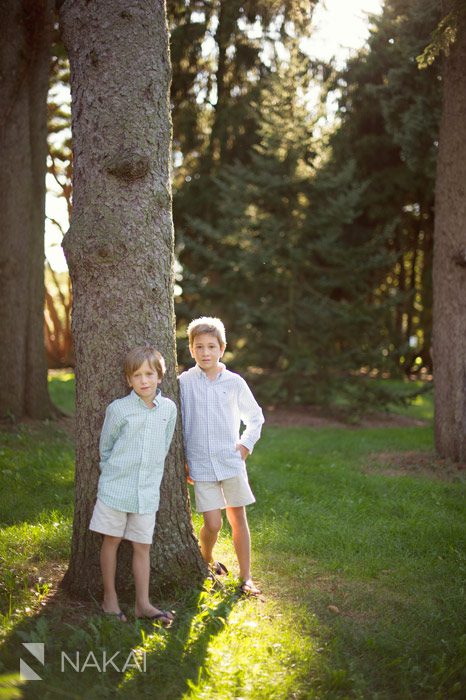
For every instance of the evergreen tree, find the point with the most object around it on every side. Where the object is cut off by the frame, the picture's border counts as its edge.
(217, 103)
(389, 112)
(295, 289)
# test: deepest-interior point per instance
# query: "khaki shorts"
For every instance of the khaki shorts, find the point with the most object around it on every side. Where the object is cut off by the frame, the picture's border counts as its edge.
(214, 495)
(135, 527)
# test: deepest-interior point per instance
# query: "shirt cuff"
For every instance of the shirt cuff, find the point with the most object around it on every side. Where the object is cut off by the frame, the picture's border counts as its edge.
(248, 444)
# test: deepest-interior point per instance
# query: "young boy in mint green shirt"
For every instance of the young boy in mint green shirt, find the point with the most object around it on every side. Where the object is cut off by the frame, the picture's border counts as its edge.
(134, 442)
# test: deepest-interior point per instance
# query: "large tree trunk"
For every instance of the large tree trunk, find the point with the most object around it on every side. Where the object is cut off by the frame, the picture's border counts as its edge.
(449, 267)
(24, 69)
(120, 254)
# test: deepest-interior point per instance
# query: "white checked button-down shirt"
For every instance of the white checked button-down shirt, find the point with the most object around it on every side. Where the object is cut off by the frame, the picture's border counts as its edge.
(133, 445)
(212, 412)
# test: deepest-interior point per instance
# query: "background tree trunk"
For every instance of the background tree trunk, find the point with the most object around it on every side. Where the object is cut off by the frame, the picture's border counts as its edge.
(120, 254)
(449, 266)
(24, 69)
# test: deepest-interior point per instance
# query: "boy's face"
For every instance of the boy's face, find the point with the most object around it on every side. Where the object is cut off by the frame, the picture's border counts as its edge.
(144, 381)
(206, 350)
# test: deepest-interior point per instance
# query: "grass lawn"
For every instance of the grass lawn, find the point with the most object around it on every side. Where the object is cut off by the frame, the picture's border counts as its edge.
(358, 544)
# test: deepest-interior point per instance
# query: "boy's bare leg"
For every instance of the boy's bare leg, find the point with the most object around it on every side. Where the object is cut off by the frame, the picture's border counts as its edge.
(141, 573)
(108, 563)
(208, 534)
(241, 540)
(242, 544)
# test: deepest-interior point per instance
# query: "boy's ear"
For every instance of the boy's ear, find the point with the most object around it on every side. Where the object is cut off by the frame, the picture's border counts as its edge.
(127, 379)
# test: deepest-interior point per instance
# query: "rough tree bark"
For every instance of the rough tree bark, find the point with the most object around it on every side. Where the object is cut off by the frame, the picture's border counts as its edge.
(24, 72)
(120, 254)
(449, 266)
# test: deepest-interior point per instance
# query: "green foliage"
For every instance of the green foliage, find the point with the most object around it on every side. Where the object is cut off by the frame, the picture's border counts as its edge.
(443, 36)
(389, 115)
(218, 101)
(315, 246)
(294, 283)
(219, 55)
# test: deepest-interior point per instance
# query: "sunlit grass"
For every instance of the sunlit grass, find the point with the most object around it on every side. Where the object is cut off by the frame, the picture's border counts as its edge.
(61, 389)
(36, 482)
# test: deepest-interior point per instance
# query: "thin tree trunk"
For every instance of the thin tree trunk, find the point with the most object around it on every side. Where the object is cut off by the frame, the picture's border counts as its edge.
(24, 68)
(449, 267)
(120, 255)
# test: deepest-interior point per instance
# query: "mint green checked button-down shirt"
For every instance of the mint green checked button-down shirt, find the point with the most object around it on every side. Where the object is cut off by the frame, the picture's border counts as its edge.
(133, 445)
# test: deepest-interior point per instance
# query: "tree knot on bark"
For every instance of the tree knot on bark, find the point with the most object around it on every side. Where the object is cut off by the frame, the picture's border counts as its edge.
(91, 242)
(128, 165)
(460, 257)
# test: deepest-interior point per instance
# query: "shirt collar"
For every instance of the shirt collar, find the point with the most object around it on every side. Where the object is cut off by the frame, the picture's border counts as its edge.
(156, 401)
(200, 372)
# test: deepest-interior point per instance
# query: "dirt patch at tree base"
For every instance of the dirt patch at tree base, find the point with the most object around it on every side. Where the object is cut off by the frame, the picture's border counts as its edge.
(417, 464)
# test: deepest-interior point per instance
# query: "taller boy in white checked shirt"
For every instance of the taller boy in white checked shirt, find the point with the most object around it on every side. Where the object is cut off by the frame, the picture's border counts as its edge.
(135, 438)
(214, 401)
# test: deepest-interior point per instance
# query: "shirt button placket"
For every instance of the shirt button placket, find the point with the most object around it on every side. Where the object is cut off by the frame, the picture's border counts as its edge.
(144, 453)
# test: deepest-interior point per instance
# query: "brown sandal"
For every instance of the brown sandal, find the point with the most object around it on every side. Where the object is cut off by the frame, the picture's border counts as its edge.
(249, 588)
(166, 618)
(219, 569)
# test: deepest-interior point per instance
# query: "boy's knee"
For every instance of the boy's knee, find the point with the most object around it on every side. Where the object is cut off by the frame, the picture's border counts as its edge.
(237, 516)
(141, 547)
(213, 522)
(111, 541)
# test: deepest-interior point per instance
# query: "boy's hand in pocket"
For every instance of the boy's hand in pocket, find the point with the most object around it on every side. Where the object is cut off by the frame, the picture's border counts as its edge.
(244, 452)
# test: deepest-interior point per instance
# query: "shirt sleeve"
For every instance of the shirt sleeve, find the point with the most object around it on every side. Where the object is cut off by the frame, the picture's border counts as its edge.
(183, 409)
(251, 415)
(170, 429)
(110, 431)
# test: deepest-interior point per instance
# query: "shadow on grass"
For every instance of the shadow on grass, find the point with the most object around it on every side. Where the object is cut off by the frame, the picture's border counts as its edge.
(173, 657)
(170, 670)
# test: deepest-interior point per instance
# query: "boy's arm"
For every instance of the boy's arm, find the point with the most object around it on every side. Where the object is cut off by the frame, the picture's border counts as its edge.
(251, 415)
(183, 420)
(109, 434)
(170, 429)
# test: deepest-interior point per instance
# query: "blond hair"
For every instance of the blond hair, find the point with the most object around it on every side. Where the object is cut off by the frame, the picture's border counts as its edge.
(138, 355)
(207, 324)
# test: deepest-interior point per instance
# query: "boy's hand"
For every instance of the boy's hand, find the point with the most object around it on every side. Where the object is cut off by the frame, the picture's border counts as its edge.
(244, 452)
(188, 477)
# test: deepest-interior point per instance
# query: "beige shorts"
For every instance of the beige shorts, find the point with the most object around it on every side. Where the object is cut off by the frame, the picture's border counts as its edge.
(135, 527)
(214, 495)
